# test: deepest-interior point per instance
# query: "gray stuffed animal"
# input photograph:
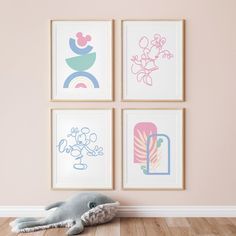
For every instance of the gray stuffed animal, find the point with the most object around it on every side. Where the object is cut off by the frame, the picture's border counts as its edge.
(81, 210)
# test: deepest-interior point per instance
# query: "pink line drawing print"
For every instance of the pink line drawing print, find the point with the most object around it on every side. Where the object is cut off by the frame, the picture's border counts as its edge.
(152, 51)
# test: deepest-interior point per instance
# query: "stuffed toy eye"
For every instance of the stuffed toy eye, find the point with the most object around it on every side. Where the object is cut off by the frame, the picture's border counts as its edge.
(91, 205)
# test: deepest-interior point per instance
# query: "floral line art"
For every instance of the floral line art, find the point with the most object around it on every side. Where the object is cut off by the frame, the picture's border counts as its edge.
(152, 52)
(78, 144)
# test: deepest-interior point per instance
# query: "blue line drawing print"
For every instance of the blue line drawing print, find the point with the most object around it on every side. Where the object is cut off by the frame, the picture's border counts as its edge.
(78, 144)
(151, 149)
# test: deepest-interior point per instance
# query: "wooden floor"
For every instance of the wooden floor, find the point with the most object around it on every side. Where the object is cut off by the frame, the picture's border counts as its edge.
(144, 227)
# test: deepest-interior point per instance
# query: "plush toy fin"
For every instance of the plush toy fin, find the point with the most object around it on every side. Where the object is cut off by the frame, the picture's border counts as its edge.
(26, 227)
(19, 220)
(76, 229)
(28, 224)
(53, 205)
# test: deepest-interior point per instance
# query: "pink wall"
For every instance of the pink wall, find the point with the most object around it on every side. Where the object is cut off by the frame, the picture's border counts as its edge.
(210, 98)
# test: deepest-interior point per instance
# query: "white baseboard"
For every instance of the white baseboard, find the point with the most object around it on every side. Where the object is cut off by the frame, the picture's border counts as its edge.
(177, 211)
(134, 211)
(22, 211)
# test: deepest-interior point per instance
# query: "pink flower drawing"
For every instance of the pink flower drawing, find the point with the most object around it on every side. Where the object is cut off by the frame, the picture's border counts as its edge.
(152, 51)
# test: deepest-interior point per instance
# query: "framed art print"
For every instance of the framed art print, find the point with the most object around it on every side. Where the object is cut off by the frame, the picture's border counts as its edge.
(153, 149)
(153, 60)
(82, 156)
(81, 60)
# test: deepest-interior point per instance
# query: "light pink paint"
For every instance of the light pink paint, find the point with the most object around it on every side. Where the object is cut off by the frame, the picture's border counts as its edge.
(210, 99)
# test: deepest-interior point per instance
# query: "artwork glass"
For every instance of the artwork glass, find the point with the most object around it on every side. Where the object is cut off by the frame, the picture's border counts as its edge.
(81, 60)
(82, 149)
(153, 149)
(153, 60)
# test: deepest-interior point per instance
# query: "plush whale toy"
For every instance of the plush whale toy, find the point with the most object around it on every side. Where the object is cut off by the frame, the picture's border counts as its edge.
(81, 210)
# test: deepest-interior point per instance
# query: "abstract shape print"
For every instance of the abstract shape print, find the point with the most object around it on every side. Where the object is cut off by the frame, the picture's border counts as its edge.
(152, 51)
(78, 144)
(81, 63)
(151, 149)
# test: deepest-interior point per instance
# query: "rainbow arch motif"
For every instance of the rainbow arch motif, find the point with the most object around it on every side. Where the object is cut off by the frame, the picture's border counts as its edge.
(81, 79)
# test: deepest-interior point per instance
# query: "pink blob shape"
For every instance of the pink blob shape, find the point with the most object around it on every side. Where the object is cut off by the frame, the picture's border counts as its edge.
(82, 40)
(141, 132)
(80, 85)
(88, 37)
(79, 34)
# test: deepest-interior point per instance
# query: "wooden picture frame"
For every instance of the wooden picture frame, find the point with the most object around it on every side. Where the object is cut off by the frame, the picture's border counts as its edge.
(153, 147)
(82, 60)
(82, 149)
(153, 60)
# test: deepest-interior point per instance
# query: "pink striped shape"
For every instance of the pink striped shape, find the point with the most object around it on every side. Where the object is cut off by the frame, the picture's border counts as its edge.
(141, 131)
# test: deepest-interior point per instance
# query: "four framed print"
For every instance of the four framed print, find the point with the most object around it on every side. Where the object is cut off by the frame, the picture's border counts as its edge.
(81, 60)
(153, 60)
(152, 70)
(82, 156)
(153, 149)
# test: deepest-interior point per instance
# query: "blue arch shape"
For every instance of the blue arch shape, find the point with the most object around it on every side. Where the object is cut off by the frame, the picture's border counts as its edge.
(77, 50)
(148, 154)
(81, 73)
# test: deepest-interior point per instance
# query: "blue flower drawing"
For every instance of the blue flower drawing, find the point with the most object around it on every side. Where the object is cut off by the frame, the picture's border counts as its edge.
(78, 144)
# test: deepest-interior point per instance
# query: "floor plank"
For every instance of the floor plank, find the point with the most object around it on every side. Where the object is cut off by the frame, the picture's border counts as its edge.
(156, 226)
(181, 231)
(132, 226)
(177, 222)
(163, 225)
(90, 231)
(201, 226)
(223, 226)
(110, 229)
(3, 221)
(232, 220)
(143, 227)
(5, 228)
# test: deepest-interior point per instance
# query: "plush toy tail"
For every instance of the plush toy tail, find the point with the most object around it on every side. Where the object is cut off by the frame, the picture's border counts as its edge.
(32, 226)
